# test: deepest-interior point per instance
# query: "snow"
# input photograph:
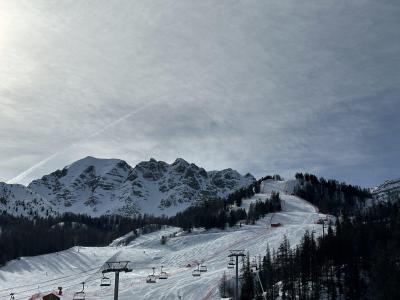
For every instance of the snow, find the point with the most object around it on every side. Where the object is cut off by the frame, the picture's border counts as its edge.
(98, 187)
(16, 199)
(388, 190)
(69, 268)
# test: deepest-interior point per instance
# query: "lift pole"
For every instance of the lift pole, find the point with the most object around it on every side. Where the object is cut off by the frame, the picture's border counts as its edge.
(116, 267)
(237, 254)
(116, 285)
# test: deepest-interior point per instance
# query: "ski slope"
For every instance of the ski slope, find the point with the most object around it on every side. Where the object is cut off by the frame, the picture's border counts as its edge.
(31, 277)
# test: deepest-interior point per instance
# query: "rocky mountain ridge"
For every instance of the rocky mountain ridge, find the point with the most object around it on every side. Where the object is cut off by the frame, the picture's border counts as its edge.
(96, 187)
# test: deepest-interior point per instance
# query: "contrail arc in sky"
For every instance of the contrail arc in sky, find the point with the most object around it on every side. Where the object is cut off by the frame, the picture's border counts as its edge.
(25, 173)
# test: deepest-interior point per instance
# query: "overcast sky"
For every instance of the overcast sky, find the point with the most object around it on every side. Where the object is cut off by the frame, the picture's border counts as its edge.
(259, 86)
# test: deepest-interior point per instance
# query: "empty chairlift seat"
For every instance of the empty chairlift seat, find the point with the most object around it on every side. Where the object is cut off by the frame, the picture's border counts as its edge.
(203, 268)
(79, 296)
(196, 273)
(163, 274)
(231, 263)
(105, 281)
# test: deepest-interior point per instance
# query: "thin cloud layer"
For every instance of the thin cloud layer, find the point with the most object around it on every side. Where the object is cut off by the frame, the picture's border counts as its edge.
(260, 86)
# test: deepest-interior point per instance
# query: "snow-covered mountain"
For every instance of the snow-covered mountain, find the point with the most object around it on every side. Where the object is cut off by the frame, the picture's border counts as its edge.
(178, 256)
(389, 190)
(111, 186)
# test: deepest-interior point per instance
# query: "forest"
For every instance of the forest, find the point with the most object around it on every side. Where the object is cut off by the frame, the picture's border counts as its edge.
(331, 196)
(22, 236)
(358, 260)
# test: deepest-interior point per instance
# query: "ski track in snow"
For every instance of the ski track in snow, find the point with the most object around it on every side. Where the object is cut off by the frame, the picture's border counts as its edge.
(33, 274)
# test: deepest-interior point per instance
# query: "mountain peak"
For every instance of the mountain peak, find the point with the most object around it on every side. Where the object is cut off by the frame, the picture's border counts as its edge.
(98, 186)
(180, 161)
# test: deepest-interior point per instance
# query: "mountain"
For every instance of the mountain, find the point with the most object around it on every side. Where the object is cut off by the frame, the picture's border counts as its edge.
(389, 190)
(82, 264)
(111, 186)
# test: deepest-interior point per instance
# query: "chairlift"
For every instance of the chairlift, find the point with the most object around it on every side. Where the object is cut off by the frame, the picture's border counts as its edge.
(151, 278)
(203, 268)
(231, 264)
(163, 274)
(254, 263)
(81, 294)
(105, 281)
(196, 273)
(12, 296)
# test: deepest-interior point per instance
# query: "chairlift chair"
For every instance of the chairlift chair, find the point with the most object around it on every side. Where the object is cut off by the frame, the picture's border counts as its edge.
(105, 281)
(12, 296)
(163, 274)
(203, 268)
(231, 263)
(254, 263)
(151, 278)
(80, 295)
(196, 273)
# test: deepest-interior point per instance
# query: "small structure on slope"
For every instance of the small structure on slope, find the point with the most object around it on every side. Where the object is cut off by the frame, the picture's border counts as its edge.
(51, 296)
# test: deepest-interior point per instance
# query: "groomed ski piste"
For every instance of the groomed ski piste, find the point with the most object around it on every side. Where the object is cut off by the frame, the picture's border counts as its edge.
(33, 277)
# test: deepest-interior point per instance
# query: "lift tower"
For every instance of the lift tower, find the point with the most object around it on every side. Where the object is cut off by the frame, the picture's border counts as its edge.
(116, 267)
(237, 254)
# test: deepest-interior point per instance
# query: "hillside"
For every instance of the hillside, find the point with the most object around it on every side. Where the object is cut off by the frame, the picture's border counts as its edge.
(69, 268)
(97, 187)
(389, 190)
(18, 200)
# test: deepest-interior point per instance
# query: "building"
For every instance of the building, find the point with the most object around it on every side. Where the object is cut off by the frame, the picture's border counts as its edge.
(51, 296)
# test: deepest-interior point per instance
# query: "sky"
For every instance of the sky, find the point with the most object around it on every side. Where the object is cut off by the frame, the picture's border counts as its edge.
(261, 86)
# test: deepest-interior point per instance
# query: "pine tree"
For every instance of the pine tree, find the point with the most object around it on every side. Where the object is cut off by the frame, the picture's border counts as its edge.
(247, 291)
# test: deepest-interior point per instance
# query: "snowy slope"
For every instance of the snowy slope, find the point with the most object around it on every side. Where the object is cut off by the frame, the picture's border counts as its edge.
(110, 186)
(211, 247)
(389, 190)
(18, 200)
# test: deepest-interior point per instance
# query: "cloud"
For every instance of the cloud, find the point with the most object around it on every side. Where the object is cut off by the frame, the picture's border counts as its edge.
(260, 86)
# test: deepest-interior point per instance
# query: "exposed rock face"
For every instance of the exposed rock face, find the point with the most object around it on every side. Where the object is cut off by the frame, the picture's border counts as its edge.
(111, 186)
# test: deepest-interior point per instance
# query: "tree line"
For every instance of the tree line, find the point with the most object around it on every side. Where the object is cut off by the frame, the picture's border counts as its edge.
(217, 213)
(331, 196)
(28, 236)
(22, 236)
